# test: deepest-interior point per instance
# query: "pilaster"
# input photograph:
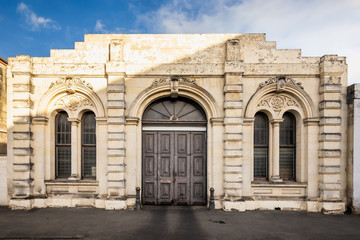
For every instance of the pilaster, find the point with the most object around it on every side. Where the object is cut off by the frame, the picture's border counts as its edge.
(233, 122)
(21, 68)
(115, 70)
(332, 69)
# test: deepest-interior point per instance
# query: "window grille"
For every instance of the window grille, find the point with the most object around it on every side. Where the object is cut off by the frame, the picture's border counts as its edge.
(261, 146)
(287, 147)
(88, 145)
(63, 145)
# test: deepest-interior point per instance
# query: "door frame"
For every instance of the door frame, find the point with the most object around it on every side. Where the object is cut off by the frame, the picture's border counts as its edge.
(214, 126)
(173, 131)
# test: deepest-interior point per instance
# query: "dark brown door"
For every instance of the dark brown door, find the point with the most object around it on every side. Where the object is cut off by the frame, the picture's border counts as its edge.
(174, 168)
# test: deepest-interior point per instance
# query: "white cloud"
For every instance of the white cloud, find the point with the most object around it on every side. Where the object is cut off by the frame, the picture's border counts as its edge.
(318, 27)
(101, 28)
(34, 21)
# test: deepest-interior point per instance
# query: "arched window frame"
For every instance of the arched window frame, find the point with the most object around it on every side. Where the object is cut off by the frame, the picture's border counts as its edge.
(261, 147)
(88, 146)
(287, 147)
(62, 145)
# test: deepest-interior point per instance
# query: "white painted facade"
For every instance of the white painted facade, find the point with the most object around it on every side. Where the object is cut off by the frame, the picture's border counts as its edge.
(231, 76)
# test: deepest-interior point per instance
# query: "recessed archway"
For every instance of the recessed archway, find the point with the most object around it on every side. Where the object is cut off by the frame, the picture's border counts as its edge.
(174, 152)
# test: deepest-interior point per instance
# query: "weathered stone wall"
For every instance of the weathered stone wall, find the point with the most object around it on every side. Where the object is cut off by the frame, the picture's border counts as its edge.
(232, 76)
(353, 153)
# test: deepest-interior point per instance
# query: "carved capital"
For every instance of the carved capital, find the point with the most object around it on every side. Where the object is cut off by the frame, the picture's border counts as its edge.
(40, 120)
(217, 121)
(132, 121)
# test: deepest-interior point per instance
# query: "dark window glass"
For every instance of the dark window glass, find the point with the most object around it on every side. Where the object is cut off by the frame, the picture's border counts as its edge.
(88, 145)
(62, 145)
(287, 147)
(261, 146)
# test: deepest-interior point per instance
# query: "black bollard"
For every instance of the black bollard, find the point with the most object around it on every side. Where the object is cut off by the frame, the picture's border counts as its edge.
(137, 203)
(212, 202)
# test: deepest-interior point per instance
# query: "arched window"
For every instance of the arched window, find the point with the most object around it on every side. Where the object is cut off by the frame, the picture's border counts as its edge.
(88, 145)
(261, 146)
(287, 147)
(62, 145)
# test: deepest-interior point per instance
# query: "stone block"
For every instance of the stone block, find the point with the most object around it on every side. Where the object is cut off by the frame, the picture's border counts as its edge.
(116, 104)
(233, 88)
(233, 145)
(233, 136)
(330, 153)
(119, 152)
(116, 120)
(331, 121)
(232, 105)
(330, 88)
(116, 88)
(330, 104)
(115, 204)
(23, 151)
(233, 153)
(234, 205)
(330, 137)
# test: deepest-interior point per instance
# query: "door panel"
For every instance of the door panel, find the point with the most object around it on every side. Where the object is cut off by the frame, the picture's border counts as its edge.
(150, 165)
(182, 168)
(174, 168)
(198, 165)
(165, 165)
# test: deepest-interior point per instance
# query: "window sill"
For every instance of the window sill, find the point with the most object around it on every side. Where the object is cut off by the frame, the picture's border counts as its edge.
(86, 182)
(277, 184)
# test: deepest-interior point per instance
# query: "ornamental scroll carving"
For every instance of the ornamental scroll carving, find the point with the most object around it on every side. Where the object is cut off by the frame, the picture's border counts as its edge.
(174, 78)
(70, 83)
(74, 102)
(278, 102)
(280, 82)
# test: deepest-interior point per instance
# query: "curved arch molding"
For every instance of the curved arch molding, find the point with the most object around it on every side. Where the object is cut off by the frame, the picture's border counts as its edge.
(71, 95)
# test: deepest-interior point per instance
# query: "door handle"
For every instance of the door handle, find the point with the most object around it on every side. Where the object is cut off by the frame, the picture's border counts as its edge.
(174, 180)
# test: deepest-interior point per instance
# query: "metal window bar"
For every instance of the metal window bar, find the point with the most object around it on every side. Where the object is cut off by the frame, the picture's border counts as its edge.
(288, 147)
(62, 146)
(261, 146)
(88, 146)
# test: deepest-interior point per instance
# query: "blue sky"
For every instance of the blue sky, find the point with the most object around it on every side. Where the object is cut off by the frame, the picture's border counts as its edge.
(318, 27)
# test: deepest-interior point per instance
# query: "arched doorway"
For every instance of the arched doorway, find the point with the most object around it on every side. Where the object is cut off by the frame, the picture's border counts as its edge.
(174, 153)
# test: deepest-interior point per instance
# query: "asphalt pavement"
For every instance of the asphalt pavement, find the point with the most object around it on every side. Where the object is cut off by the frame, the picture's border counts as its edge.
(172, 222)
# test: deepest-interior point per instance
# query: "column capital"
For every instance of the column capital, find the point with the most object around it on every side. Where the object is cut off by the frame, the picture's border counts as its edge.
(276, 122)
(40, 120)
(101, 120)
(217, 121)
(74, 121)
(132, 121)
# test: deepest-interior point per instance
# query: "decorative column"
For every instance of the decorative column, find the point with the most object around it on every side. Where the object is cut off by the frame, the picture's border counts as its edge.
(215, 167)
(39, 124)
(276, 151)
(74, 149)
(101, 152)
(19, 134)
(133, 161)
(233, 110)
(332, 128)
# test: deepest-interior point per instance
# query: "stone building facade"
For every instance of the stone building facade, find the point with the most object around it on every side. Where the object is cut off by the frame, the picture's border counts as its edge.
(176, 115)
(3, 130)
(353, 170)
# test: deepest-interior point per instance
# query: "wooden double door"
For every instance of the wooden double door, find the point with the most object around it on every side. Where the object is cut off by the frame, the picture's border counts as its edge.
(174, 168)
